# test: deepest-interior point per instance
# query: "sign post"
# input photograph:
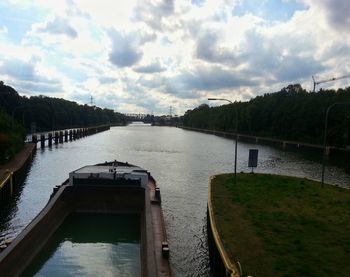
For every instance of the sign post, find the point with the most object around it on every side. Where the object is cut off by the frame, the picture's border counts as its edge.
(253, 158)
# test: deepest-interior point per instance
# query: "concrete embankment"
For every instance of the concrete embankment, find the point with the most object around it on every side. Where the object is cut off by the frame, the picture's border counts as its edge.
(12, 172)
(287, 145)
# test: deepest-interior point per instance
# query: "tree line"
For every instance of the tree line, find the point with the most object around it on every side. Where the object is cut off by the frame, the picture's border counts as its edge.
(48, 113)
(289, 114)
(20, 115)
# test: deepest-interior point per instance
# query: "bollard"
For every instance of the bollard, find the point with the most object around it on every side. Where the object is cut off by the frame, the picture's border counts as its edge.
(165, 249)
(56, 137)
(74, 134)
(65, 136)
(61, 137)
(157, 194)
(42, 141)
(50, 139)
(70, 135)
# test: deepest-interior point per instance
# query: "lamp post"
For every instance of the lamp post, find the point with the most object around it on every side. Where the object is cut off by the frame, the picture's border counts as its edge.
(236, 131)
(325, 136)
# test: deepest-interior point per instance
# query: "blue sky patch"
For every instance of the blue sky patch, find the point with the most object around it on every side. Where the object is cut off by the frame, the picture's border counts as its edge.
(271, 10)
(18, 21)
(198, 3)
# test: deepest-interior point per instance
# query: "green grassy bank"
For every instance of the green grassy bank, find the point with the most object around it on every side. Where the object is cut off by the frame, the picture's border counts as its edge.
(283, 226)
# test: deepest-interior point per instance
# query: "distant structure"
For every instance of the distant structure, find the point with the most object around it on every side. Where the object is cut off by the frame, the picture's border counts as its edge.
(171, 111)
(328, 80)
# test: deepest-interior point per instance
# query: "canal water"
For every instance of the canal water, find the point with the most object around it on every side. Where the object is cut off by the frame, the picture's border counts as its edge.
(92, 245)
(181, 162)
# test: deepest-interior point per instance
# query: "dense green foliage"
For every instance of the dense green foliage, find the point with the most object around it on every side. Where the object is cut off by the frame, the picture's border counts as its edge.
(19, 114)
(290, 114)
(49, 113)
(11, 137)
(283, 226)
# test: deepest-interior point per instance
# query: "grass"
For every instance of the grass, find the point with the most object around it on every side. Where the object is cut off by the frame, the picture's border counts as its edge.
(283, 226)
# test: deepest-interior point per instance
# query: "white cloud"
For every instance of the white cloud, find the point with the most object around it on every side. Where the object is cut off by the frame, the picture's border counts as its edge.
(133, 55)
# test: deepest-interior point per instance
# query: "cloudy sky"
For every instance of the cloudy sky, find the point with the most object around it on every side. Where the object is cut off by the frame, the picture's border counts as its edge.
(145, 56)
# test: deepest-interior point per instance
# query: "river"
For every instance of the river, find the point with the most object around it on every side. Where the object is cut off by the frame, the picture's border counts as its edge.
(181, 162)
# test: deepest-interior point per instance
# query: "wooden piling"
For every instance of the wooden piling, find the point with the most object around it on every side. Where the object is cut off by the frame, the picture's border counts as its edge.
(65, 136)
(56, 137)
(42, 141)
(61, 137)
(50, 139)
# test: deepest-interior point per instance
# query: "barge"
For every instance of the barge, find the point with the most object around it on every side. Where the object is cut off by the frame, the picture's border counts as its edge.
(107, 188)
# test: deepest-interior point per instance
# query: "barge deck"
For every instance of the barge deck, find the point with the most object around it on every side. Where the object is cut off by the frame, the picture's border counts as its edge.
(108, 188)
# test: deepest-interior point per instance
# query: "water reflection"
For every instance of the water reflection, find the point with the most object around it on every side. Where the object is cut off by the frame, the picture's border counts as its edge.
(181, 161)
(92, 245)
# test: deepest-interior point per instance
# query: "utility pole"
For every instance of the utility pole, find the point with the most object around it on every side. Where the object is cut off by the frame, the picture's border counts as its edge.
(327, 80)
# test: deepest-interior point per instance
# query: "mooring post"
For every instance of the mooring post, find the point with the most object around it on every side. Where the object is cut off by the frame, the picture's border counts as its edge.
(61, 137)
(50, 139)
(56, 137)
(65, 136)
(70, 135)
(74, 134)
(42, 141)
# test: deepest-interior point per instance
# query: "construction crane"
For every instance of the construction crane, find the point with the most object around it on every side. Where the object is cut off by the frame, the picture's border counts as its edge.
(328, 80)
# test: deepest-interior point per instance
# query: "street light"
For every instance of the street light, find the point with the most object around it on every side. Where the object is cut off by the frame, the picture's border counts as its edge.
(325, 136)
(236, 131)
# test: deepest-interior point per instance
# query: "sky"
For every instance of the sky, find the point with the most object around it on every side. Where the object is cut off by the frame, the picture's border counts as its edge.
(147, 56)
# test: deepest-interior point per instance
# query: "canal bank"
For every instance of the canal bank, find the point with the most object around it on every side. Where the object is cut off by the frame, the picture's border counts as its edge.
(272, 225)
(336, 155)
(12, 173)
